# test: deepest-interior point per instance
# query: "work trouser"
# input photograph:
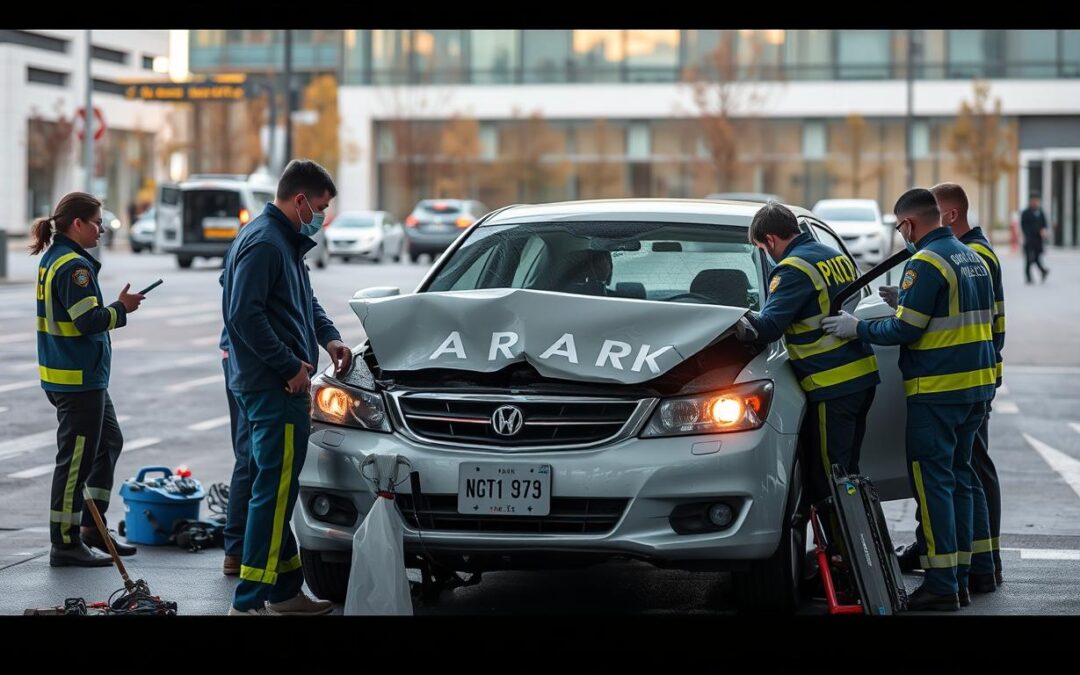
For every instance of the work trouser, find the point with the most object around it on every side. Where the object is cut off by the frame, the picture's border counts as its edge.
(939, 441)
(1033, 256)
(240, 483)
(279, 424)
(986, 473)
(88, 442)
(835, 430)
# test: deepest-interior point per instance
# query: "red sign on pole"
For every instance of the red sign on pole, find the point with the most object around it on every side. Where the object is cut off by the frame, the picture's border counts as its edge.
(99, 123)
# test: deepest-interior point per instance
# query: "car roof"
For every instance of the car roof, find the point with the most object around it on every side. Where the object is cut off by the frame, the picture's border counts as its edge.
(847, 202)
(662, 210)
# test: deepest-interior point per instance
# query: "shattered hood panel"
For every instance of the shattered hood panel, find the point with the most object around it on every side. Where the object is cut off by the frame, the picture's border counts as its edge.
(573, 337)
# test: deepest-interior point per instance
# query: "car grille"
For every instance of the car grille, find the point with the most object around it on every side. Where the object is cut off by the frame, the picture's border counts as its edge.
(569, 515)
(545, 422)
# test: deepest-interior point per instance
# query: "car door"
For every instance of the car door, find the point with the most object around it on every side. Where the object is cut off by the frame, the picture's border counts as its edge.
(883, 456)
(167, 213)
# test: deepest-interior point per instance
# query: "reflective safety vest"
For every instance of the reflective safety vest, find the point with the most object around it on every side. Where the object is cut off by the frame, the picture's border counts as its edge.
(977, 241)
(943, 321)
(801, 289)
(74, 350)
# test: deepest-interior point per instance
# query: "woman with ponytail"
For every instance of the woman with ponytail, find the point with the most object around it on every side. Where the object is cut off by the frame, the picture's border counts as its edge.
(74, 357)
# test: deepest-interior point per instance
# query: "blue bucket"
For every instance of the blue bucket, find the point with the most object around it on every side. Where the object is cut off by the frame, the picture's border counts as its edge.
(158, 500)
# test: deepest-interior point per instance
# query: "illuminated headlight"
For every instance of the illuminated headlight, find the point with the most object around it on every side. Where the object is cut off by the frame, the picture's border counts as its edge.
(336, 403)
(740, 408)
(114, 224)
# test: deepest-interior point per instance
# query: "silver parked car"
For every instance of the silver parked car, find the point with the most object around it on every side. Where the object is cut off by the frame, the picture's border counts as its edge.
(566, 383)
(142, 231)
(364, 234)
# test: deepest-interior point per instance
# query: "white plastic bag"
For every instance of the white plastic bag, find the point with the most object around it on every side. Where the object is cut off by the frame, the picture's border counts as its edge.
(378, 583)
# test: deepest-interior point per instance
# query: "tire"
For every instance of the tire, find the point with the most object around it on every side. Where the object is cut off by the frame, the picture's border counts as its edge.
(345, 258)
(320, 262)
(414, 257)
(772, 585)
(184, 261)
(327, 580)
(379, 255)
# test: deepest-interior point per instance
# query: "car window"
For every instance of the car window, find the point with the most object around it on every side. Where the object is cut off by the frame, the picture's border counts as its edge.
(675, 262)
(854, 213)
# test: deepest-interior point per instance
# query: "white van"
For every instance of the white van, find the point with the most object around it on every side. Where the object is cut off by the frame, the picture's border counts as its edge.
(200, 217)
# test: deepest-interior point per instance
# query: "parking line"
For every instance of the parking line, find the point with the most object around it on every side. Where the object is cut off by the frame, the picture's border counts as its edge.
(1005, 408)
(31, 442)
(34, 472)
(23, 384)
(133, 342)
(206, 425)
(1065, 466)
(192, 384)
(3, 408)
(1046, 553)
(205, 341)
(196, 320)
(159, 366)
(140, 443)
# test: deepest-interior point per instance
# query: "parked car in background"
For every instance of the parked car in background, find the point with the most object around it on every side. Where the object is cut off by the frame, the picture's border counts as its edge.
(374, 235)
(111, 225)
(142, 231)
(860, 224)
(435, 223)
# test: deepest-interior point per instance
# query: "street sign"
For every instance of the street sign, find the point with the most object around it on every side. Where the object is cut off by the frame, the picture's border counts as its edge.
(99, 123)
(186, 92)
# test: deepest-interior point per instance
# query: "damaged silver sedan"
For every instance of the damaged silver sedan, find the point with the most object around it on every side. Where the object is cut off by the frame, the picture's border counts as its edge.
(566, 388)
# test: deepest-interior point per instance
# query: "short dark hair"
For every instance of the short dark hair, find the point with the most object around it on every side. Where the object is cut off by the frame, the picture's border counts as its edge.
(951, 193)
(774, 218)
(917, 203)
(304, 175)
(1034, 195)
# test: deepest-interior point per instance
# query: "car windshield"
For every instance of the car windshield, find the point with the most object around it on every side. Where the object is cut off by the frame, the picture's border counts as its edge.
(671, 262)
(354, 221)
(845, 213)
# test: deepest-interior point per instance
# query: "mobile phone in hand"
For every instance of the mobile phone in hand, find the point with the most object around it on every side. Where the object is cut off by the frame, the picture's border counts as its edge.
(151, 287)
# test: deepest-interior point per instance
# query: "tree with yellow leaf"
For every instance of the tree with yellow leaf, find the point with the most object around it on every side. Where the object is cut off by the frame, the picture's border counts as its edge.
(854, 143)
(601, 178)
(530, 157)
(460, 148)
(984, 147)
(319, 141)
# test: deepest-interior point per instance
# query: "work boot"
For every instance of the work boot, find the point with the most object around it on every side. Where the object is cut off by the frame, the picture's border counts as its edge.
(982, 583)
(91, 537)
(923, 600)
(964, 595)
(908, 557)
(77, 555)
(231, 566)
(300, 605)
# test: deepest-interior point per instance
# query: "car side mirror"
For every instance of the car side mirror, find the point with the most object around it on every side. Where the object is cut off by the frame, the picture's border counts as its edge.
(376, 292)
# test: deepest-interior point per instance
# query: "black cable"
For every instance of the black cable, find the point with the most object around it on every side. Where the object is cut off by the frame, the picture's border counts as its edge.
(217, 501)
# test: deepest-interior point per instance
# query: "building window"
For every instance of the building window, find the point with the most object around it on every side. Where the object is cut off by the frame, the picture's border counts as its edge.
(489, 141)
(1070, 53)
(109, 87)
(814, 140)
(390, 56)
(357, 56)
(493, 56)
(546, 55)
(652, 55)
(43, 76)
(28, 39)
(597, 55)
(439, 55)
(637, 141)
(106, 54)
(920, 140)
(930, 55)
(759, 53)
(862, 54)
(147, 62)
(808, 55)
(1030, 53)
(966, 53)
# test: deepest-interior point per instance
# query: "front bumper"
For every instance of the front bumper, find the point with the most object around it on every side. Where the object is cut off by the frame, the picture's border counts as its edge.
(653, 476)
(870, 248)
(353, 248)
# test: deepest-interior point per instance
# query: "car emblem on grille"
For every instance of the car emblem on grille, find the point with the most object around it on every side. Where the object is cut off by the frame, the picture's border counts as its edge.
(507, 420)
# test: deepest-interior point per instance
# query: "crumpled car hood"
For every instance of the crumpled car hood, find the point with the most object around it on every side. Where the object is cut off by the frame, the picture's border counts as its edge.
(573, 337)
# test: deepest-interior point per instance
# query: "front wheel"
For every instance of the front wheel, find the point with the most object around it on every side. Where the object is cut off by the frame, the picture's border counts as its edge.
(327, 580)
(773, 585)
(184, 261)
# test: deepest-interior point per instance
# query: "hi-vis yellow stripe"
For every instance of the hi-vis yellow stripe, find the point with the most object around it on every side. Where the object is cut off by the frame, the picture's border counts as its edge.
(58, 376)
(952, 337)
(927, 526)
(915, 318)
(933, 384)
(814, 322)
(62, 328)
(51, 325)
(82, 307)
(985, 253)
(840, 374)
(946, 271)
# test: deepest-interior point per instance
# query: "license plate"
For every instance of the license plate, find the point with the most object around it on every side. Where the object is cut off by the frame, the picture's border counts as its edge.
(510, 489)
(222, 228)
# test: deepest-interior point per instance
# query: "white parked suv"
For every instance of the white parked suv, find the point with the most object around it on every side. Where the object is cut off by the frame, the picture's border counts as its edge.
(860, 224)
(566, 384)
